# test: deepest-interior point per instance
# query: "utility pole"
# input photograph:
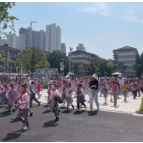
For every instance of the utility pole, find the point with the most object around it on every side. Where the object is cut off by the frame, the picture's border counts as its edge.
(61, 67)
(71, 49)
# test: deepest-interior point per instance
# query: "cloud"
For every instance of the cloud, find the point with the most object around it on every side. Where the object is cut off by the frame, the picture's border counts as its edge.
(130, 15)
(98, 8)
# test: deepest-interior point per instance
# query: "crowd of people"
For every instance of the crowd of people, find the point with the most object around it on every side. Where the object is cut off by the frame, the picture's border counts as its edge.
(19, 94)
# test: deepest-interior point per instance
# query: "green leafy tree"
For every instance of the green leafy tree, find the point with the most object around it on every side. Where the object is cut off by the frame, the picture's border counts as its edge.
(6, 20)
(56, 57)
(18, 65)
(10, 63)
(75, 68)
(87, 68)
(33, 58)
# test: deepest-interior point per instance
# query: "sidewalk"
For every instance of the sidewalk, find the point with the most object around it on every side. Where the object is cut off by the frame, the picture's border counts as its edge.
(127, 107)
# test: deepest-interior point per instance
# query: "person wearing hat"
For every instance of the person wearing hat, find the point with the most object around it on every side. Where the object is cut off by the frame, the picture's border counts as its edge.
(93, 89)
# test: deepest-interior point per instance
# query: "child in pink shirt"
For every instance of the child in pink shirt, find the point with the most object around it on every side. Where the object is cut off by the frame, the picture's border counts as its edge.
(38, 86)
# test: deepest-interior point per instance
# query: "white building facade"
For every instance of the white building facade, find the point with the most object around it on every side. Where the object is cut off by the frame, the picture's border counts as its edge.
(52, 38)
(3, 41)
(13, 41)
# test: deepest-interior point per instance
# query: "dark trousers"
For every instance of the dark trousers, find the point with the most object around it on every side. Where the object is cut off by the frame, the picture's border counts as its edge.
(134, 93)
(82, 104)
(32, 97)
(23, 113)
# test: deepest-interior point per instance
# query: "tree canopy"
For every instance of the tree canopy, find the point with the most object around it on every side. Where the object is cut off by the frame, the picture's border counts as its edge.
(33, 58)
(6, 20)
(55, 58)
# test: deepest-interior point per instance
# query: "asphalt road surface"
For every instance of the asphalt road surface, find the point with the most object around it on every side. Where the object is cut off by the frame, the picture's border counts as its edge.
(83, 126)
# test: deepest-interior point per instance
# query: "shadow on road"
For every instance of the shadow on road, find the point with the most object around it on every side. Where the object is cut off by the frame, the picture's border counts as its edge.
(66, 111)
(63, 107)
(79, 112)
(46, 106)
(15, 120)
(13, 135)
(104, 104)
(92, 113)
(47, 111)
(50, 124)
(4, 114)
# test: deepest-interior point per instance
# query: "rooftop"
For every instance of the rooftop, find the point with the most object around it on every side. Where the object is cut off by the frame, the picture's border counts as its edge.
(126, 48)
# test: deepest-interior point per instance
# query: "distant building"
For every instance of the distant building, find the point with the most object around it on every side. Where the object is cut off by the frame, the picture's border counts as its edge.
(63, 48)
(23, 38)
(80, 47)
(127, 56)
(3, 41)
(53, 38)
(31, 38)
(79, 57)
(13, 41)
(8, 53)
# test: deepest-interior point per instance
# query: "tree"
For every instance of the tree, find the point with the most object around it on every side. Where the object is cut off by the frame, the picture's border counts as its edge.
(109, 67)
(87, 67)
(18, 65)
(1, 58)
(33, 58)
(75, 68)
(55, 58)
(10, 62)
(6, 20)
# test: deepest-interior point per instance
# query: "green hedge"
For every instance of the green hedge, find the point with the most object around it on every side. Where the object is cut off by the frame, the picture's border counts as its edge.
(141, 106)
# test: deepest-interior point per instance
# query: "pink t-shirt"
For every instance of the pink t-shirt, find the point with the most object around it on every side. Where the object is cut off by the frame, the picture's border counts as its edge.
(59, 83)
(38, 87)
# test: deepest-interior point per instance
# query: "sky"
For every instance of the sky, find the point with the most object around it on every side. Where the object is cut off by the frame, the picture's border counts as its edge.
(100, 26)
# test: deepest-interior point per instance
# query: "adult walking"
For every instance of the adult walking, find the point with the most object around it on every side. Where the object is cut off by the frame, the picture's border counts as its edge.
(32, 94)
(93, 91)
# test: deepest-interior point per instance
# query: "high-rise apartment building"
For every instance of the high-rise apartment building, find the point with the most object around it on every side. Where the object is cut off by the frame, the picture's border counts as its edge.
(31, 38)
(3, 41)
(80, 47)
(13, 41)
(23, 38)
(42, 39)
(53, 38)
(63, 48)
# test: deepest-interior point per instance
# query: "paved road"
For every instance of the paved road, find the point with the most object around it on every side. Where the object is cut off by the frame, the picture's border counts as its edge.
(83, 126)
(131, 106)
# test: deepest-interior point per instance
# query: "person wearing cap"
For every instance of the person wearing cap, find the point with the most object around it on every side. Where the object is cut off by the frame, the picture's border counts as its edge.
(93, 89)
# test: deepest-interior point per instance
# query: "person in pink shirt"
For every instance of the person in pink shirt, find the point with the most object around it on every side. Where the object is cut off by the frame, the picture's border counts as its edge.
(38, 86)
(59, 83)
(134, 88)
(12, 96)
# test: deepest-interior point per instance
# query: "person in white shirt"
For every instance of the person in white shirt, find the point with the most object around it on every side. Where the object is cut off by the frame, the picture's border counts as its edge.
(121, 82)
(69, 92)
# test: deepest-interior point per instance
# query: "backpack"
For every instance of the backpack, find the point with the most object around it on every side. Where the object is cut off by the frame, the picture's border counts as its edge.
(59, 99)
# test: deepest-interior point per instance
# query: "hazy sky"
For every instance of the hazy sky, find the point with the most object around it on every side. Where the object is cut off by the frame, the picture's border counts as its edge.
(101, 27)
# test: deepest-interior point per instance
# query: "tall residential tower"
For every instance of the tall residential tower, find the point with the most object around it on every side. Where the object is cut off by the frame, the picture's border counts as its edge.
(53, 38)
